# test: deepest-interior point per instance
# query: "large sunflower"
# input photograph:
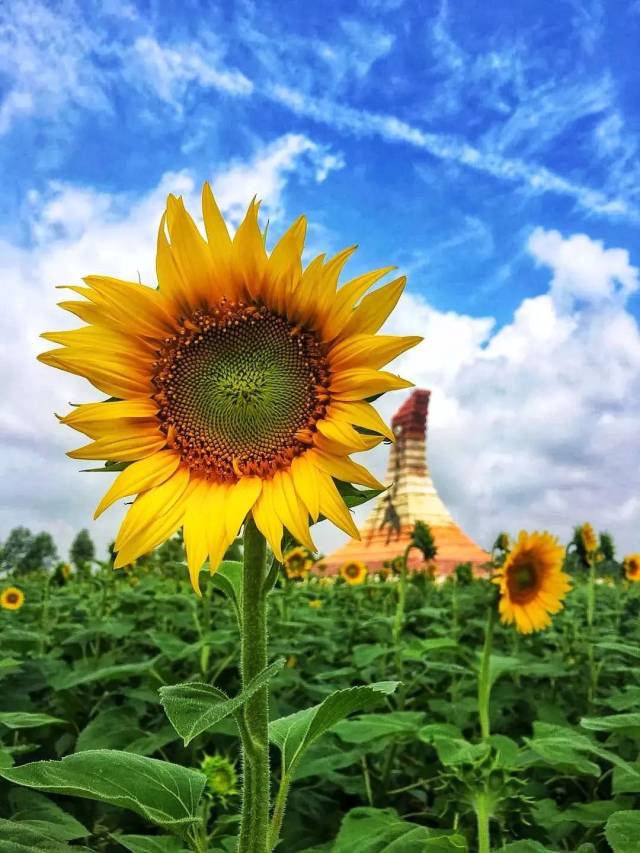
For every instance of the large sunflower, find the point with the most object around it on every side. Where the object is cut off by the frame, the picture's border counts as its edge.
(631, 566)
(239, 385)
(532, 583)
(11, 598)
(354, 572)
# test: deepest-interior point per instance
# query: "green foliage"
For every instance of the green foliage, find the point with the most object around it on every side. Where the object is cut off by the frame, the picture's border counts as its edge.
(422, 539)
(373, 769)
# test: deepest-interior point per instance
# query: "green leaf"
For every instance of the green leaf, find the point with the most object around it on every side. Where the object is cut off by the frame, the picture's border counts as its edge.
(611, 723)
(293, 734)
(35, 811)
(453, 751)
(354, 497)
(501, 664)
(150, 843)
(163, 793)
(87, 673)
(15, 837)
(368, 830)
(111, 729)
(526, 846)
(24, 720)
(370, 727)
(622, 831)
(194, 707)
(623, 648)
(507, 752)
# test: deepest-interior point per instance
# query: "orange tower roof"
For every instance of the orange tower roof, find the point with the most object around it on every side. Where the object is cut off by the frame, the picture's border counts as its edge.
(411, 497)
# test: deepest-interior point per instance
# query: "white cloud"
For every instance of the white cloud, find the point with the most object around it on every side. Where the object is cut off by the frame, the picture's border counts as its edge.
(170, 70)
(583, 268)
(535, 424)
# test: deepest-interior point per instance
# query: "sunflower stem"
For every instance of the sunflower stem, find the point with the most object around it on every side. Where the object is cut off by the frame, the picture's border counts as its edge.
(254, 825)
(484, 676)
(481, 806)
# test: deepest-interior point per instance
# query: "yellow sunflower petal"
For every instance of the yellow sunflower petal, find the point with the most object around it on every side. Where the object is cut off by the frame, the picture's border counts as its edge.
(217, 233)
(370, 350)
(343, 437)
(306, 483)
(284, 267)
(191, 254)
(92, 418)
(152, 505)
(267, 520)
(113, 376)
(333, 507)
(136, 446)
(122, 300)
(361, 382)
(345, 469)
(240, 498)
(360, 414)
(140, 476)
(194, 529)
(155, 533)
(249, 255)
(346, 298)
(290, 510)
(170, 281)
(374, 309)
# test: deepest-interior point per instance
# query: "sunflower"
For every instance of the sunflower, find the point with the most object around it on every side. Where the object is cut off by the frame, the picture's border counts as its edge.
(297, 563)
(239, 385)
(631, 566)
(315, 603)
(11, 598)
(532, 583)
(589, 538)
(354, 572)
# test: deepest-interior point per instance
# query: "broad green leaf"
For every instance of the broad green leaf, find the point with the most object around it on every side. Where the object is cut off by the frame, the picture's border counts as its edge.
(453, 751)
(193, 708)
(293, 734)
(611, 723)
(623, 648)
(88, 673)
(622, 831)
(368, 830)
(365, 655)
(24, 720)
(163, 793)
(34, 810)
(625, 782)
(561, 747)
(8, 666)
(15, 837)
(370, 727)
(111, 729)
(507, 752)
(501, 664)
(526, 846)
(150, 843)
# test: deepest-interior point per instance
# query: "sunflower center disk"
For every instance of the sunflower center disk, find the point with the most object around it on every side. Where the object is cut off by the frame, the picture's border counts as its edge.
(523, 583)
(240, 391)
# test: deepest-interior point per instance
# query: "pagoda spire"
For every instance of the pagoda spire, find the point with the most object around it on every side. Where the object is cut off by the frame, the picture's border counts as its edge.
(411, 497)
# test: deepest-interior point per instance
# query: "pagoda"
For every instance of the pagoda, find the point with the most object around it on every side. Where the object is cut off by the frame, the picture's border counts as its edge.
(411, 497)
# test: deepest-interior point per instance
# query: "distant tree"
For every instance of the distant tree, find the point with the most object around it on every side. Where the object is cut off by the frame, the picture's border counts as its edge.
(41, 554)
(83, 551)
(24, 552)
(15, 548)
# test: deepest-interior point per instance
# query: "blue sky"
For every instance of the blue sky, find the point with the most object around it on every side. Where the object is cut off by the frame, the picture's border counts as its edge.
(491, 152)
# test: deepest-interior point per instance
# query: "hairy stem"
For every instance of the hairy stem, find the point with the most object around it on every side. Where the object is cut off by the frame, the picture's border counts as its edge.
(254, 826)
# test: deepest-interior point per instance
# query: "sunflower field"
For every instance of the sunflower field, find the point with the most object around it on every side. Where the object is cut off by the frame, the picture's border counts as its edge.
(119, 713)
(212, 686)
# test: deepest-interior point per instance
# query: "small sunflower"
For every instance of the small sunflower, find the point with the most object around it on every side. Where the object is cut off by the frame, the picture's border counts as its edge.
(354, 572)
(11, 598)
(239, 385)
(589, 538)
(297, 563)
(532, 583)
(316, 603)
(631, 566)
(222, 778)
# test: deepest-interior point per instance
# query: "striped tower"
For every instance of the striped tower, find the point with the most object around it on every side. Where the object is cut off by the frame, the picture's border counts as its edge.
(412, 497)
